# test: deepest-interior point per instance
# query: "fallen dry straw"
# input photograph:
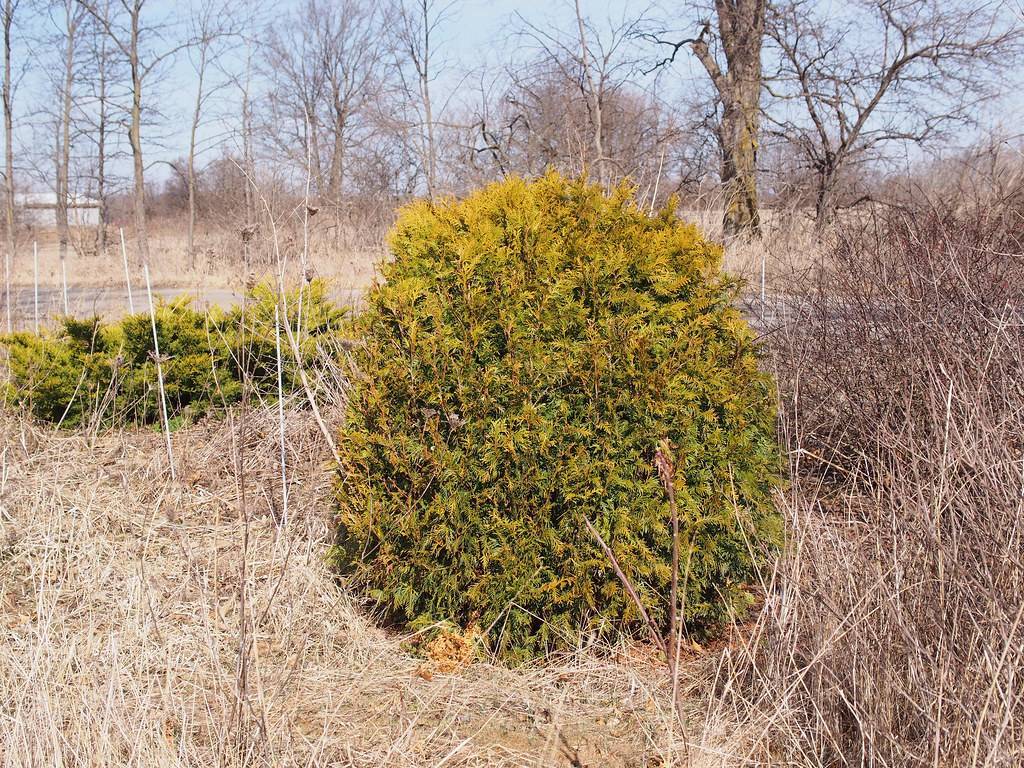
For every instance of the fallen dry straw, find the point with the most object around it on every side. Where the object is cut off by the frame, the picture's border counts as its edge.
(119, 599)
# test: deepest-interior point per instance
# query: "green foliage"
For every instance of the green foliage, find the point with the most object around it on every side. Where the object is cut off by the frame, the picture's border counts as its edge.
(526, 351)
(90, 372)
(254, 352)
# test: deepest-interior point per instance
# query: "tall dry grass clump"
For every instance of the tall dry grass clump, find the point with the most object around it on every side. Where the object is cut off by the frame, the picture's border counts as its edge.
(893, 631)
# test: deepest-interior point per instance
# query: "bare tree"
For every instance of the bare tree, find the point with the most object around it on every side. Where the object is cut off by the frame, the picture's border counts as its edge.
(10, 7)
(352, 56)
(102, 82)
(415, 26)
(211, 26)
(551, 107)
(730, 52)
(894, 71)
(244, 83)
(325, 65)
(594, 64)
(134, 37)
(298, 87)
(240, 161)
(72, 16)
(594, 94)
(98, 77)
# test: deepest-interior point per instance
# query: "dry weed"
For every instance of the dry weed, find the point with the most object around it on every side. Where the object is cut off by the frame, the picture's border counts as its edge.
(126, 641)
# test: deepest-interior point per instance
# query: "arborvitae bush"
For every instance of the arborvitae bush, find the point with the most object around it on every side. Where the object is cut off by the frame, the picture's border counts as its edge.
(525, 352)
(255, 351)
(91, 372)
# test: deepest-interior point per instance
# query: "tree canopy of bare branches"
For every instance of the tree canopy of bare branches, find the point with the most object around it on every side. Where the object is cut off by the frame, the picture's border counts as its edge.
(846, 87)
(325, 66)
(144, 45)
(356, 105)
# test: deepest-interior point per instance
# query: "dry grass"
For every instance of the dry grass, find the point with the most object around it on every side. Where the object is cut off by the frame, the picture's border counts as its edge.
(219, 260)
(786, 253)
(220, 274)
(893, 634)
(125, 640)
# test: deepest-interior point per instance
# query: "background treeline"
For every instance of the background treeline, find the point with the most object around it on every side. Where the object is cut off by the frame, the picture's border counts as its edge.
(226, 111)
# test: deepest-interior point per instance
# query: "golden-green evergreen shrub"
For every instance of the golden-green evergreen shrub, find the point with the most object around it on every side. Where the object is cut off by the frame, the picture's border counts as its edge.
(87, 368)
(88, 371)
(254, 349)
(525, 352)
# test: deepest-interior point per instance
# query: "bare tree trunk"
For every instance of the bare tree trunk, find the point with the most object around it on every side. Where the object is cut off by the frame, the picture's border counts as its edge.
(247, 161)
(313, 148)
(211, 21)
(337, 152)
(8, 20)
(64, 132)
(101, 147)
(739, 144)
(595, 99)
(135, 138)
(196, 113)
(825, 199)
(428, 115)
(431, 149)
(741, 33)
(413, 27)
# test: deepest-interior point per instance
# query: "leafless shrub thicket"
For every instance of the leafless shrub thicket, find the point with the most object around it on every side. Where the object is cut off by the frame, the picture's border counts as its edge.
(892, 634)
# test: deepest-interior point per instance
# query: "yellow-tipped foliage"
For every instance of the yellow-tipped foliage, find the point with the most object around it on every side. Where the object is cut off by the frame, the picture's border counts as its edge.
(90, 371)
(525, 352)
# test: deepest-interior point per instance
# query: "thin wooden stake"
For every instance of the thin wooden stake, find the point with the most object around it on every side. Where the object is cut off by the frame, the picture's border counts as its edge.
(64, 281)
(159, 371)
(35, 282)
(127, 275)
(7, 288)
(280, 416)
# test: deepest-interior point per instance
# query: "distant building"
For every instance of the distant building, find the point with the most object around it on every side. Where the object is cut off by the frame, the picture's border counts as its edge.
(39, 209)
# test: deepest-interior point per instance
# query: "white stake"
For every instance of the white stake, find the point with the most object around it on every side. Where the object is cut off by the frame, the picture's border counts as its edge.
(159, 371)
(280, 417)
(654, 195)
(64, 282)
(7, 288)
(127, 276)
(305, 238)
(764, 269)
(35, 282)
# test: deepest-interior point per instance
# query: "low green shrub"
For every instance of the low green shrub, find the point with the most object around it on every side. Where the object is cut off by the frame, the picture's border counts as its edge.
(254, 352)
(91, 372)
(525, 352)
